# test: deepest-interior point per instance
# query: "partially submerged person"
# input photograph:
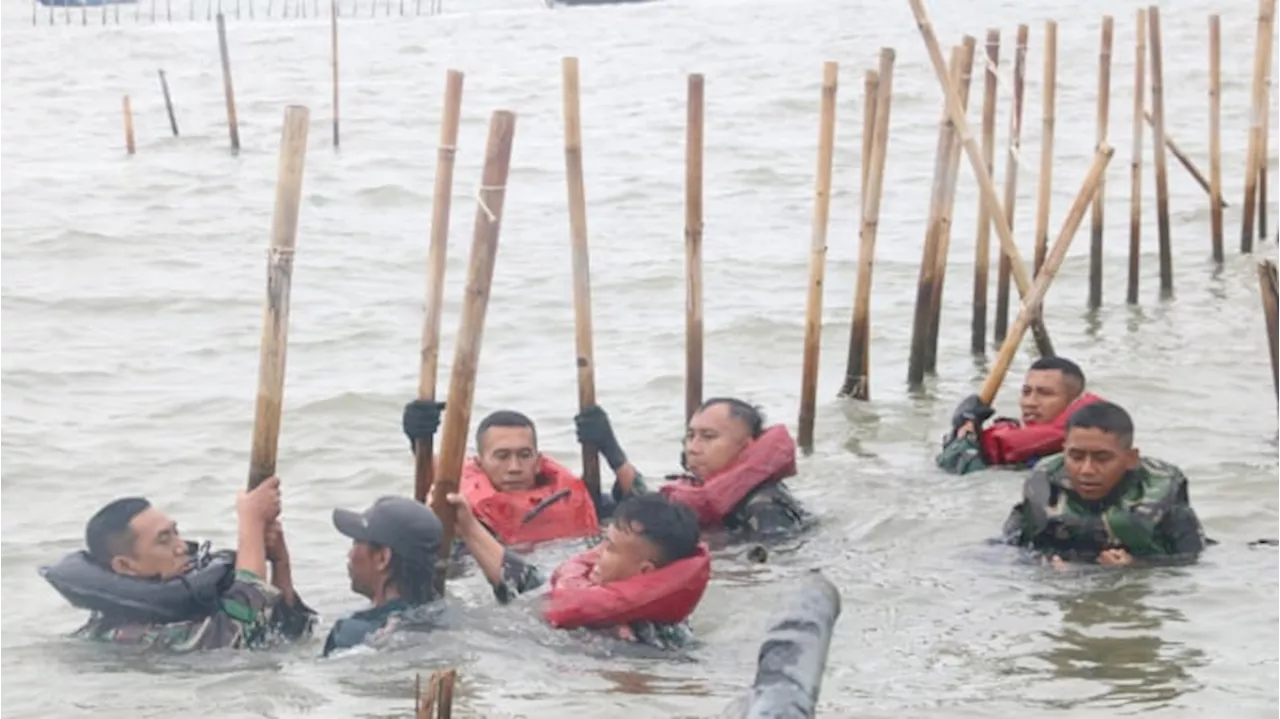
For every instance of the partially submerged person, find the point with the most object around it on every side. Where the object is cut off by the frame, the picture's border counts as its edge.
(1101, 501)
(640, 583)
(1053, 389)
(145, 586)
(521, 495)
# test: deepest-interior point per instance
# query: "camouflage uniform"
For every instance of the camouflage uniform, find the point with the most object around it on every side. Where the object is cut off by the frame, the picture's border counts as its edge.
(1148, 514)
(249, 615)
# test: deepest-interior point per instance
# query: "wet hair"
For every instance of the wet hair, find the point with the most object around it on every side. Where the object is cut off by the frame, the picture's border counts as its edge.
(414, 580)
(671, 527)
(745, 412)
(1106, 416)
(504, 418)
(1071, 372)
(108, 535)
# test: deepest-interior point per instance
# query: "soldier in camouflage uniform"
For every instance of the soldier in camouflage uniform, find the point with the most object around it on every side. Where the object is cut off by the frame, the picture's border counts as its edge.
(1100, 501)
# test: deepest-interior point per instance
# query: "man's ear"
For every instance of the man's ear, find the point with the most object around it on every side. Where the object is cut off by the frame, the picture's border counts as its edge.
(1132, 458)
(120, 564)
(647, 566)
(382, 559)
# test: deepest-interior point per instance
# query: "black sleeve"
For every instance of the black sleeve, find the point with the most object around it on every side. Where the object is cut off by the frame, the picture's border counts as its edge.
(1182, 533)
(518, 577)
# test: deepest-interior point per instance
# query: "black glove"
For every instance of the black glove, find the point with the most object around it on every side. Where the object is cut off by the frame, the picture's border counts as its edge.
(422, 419)
(971, 409)
(594, 429)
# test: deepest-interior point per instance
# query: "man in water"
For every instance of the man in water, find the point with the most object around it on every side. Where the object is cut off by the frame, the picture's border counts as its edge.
(642, 581)
(1053, 389)
(146, 586)
(521, 495)
(1101, 501)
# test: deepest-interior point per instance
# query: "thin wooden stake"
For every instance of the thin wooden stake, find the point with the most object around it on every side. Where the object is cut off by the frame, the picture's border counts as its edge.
(818, 256)
(429, 362)
(584, 358)
(1099, 201)
(869, 85)
(982, 244)
(228, 90)
(462, 381)
(333, 24)
(1046, 140)
(1215, 139)
(128, 126)
(693, 248)
(1158, 150)
(1257, 130)
(168, 104)
(1268, 286)
(1135, 165)
(857, 382)
(1011, 169)
(275, 311)
(1185, 160)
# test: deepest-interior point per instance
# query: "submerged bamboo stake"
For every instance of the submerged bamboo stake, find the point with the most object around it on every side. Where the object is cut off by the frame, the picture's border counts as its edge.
(230, 92)
(168, 104)
(1135, 165)
(1046, 140)
(1158, 148)
(1268, 285)
(982, 243)
(1257, 130)
(1099, 201)
(1215, 140)
(693, 248)
(333, 24)
(1011, 168)
(462, 380)
(818, 255)
(128, 126)
(438, 703)
(582, 335)
(429, 361)
(1007, 244)
(1053, 260)
(275, 311)
(857, 382)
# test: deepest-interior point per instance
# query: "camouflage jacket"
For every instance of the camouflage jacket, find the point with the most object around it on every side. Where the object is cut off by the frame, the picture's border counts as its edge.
(250, 615)
(1148, 514)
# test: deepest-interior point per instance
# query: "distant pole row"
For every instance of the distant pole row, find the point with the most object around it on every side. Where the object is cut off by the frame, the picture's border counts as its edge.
(163, 10)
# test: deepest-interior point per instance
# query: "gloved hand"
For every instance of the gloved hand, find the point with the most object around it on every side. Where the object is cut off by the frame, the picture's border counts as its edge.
(971, 409)
(594, 429)
(422, 419)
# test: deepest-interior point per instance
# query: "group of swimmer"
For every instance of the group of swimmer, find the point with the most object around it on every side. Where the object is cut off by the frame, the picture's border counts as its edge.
(1090, 497)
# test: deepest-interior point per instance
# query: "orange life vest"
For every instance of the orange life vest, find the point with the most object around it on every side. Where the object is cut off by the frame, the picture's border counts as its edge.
(667, 595)
(571, 516)
(771, 457)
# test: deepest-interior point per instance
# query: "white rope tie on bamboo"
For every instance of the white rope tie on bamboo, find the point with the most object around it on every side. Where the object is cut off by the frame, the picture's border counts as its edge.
(480, 199)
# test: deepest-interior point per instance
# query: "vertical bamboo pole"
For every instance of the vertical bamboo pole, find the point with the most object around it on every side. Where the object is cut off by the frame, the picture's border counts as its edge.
(857, 382)
(1268, 286)
(1099, 201)
(693, 248)
(429, 362)
(818, 255)
(1012, 167)
(228, 90)
(466, 357)
(1158, 151)
(1262, 152)
(104, 14)
(1046, 140)
(153, 12)
(1256, 161)
(1215, 140)
(869, 85)
(584, 354)
(333, 24)
(128, 126)
(275, 311)
(1135, 165)
(982, 244)
(84, 14)
(168, 104)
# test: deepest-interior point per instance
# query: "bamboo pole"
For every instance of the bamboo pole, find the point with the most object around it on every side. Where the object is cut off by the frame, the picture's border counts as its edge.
(1135, 165)
(1268, 286)
(1158, 147)
(429, 361)
(1215, 140)
(333, 24)
(1099, 201)
(1257, 130)
(982, 243)
(857, 382)
(228, 90)
(585, 355)
(438, 702)
(168, 103)
(1263, 160)
(693, 248)
(869, 85)
(128, 126)
(275, 311)
(1053, 260)
(1020, 275)
(1185, 160)
(818, 255)
(944, 230)
(462, 381)
(1011, 169)
(1046, 140)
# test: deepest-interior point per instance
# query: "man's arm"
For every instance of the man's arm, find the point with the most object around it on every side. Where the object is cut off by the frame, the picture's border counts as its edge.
(1182, 533)
(508, 574)
(255, 509)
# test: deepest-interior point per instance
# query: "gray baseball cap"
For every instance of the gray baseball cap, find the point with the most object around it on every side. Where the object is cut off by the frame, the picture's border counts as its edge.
(410, 529)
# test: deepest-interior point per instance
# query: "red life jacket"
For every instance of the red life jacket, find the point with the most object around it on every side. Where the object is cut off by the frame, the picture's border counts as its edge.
(504, 512)
(769, 458)
(1010, 442)
(666, 595)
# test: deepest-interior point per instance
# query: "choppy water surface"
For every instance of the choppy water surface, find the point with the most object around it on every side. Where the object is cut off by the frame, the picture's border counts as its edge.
(132, 292)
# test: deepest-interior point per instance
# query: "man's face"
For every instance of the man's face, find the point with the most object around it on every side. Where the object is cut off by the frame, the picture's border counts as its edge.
(509, 458)
(714, 440)
(1096, 461)
(623, 554)
(157, 550)
(367, 567)
(1045, 394)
